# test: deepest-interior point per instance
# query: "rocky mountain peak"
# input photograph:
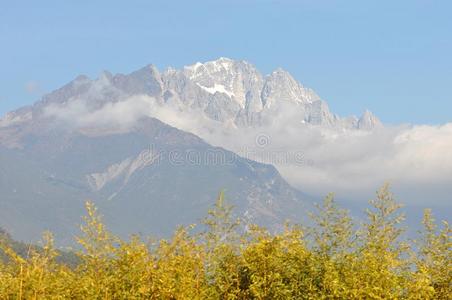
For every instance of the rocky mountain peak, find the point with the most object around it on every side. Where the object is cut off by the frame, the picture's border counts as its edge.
(238, 80)
(281, 86)
(225, 90)
(369, 121)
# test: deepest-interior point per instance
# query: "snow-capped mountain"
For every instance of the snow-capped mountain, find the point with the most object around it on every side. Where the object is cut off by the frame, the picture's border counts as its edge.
(94, 139)
(235, 91)
(223, 90)
(91, 139)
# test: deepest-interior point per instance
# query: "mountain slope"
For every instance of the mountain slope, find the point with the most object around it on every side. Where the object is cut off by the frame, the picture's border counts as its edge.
(148, 178)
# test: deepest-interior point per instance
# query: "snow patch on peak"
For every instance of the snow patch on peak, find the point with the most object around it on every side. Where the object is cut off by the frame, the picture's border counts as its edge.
(217, 88)
(194, 67)
(219, 65)
(198, 69)
(222, 58)
(225, 62)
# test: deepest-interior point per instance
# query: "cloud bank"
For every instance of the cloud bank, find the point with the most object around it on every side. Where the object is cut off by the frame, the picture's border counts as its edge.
(417, 160)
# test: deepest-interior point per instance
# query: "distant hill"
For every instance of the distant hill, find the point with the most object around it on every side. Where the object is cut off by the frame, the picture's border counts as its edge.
(23, 249)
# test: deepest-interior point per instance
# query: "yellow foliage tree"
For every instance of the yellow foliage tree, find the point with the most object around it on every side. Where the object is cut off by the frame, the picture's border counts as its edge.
(230, 260)
(435, 258)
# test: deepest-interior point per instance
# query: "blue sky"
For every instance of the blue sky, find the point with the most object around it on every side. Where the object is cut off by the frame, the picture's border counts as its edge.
(392, 57)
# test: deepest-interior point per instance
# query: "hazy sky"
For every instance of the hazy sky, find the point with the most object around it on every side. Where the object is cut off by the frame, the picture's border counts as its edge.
(392, 57)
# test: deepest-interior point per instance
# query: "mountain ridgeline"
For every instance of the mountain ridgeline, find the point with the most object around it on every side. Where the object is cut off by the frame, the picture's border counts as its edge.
(223, 90)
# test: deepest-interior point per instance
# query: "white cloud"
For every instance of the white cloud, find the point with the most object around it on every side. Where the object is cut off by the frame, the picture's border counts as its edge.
(78, 112)
(416, 159)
